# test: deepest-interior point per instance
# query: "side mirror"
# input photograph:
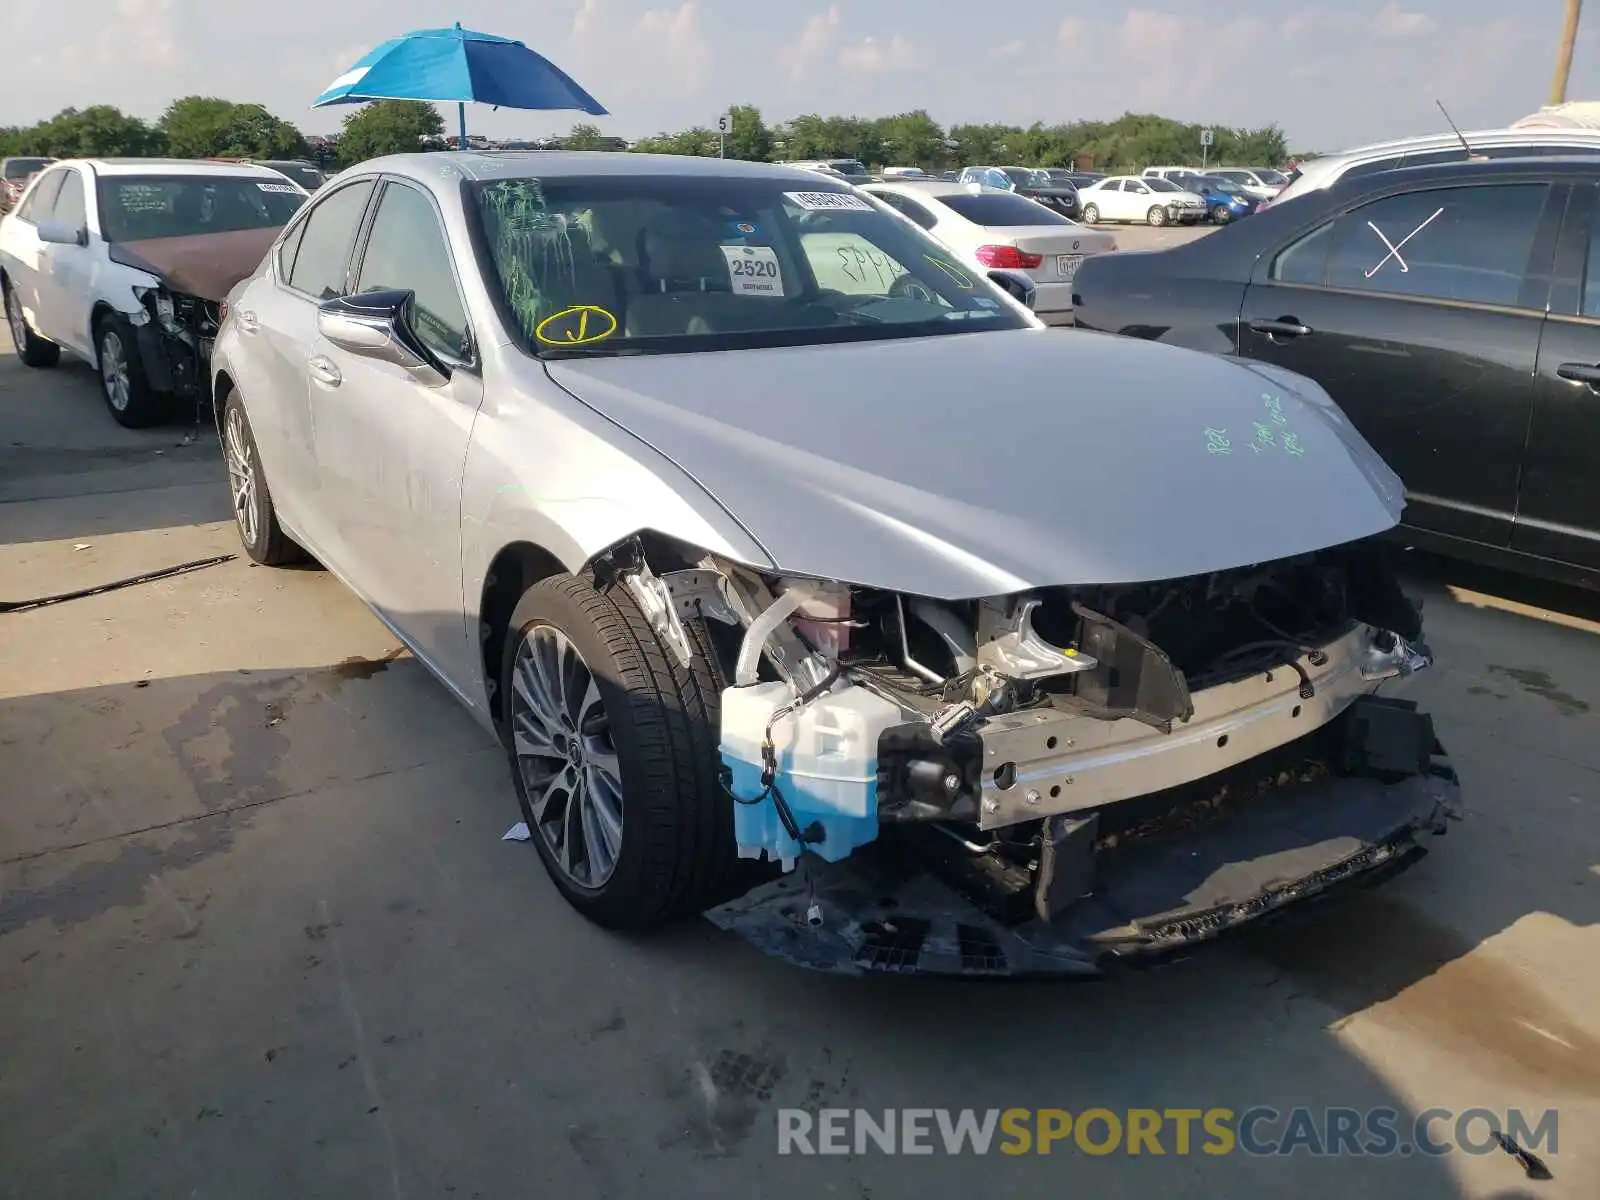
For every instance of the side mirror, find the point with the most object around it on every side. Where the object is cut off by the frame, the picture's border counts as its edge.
(1017, 285)
(59, 233)
(374, 325)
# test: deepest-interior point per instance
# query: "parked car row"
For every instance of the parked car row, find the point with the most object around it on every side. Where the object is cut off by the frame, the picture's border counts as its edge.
(15, 175)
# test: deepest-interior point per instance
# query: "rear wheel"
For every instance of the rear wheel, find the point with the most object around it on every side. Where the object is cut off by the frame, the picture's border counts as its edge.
(1091, 214)
(32, 349)
(613, 749)
(128, 394)
(1157, 215)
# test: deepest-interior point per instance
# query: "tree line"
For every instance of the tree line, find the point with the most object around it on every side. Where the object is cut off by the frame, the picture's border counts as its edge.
(208, 127)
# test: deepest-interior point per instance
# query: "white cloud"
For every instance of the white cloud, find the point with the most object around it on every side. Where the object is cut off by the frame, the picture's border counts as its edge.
(618, 50)
(819, 35)
(675, 35)
(873, 56)
(142, 31)
(1393, 21)
(1015, 48)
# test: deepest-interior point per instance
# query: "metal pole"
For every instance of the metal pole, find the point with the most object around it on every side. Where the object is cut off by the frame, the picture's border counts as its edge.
(1204, 155)
(461, 116)
(1569, 35)
(722, 144)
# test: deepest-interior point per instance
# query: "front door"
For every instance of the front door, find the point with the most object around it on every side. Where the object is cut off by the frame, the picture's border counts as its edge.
(391, 448)
(1419, 312)
(1558, 515)
(65, 271)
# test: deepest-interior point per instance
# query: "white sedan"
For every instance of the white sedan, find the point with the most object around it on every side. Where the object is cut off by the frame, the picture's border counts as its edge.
(1146, 199)
(993, 230)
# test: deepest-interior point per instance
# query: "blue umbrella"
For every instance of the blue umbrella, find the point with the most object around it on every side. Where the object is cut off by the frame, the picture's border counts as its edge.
(461, 65)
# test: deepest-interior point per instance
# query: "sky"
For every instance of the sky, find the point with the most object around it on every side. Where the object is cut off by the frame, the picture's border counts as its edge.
(1331, 75)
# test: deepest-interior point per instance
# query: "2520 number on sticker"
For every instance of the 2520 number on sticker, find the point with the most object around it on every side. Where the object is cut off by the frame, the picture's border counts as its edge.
(754, 270)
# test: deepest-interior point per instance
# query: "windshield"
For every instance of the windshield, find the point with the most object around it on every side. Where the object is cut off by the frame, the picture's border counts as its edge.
(1226, 186)
(21, 168)
(1001, 209)
(1157, 184)
(1274, 178)
(135, 207)
(664, 264)
(848, 166)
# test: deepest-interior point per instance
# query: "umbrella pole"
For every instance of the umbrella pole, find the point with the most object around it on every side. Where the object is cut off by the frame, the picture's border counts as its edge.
(461, 117)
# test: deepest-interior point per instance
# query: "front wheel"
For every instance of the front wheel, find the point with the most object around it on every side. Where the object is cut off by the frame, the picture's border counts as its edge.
(253, 513)
(1157, 215)
(613, 749)
(127, 393)
(1221, 214)
(32, 349)
(1091, 214)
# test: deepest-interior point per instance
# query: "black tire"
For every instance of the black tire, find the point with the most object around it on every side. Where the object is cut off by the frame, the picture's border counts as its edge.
(1221, 215)
(1157, 216)
(1091, 214)
(32, 349)
(677, 854)
(254, 516)
(134, 404)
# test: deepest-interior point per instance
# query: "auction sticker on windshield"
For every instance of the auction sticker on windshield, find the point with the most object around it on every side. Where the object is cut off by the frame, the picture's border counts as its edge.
(754, 270)
(278, 187)
(828, 201)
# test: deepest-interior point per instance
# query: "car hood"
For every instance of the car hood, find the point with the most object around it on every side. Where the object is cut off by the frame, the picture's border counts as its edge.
(979, 464)
(206, 265)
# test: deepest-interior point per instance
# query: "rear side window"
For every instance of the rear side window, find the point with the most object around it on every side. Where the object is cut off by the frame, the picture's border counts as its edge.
(1001, 210)
(907, 207)
(324, 251)
(1470, 243)
(1305, 260)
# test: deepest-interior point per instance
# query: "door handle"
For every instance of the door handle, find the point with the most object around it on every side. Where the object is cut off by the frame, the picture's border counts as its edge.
(246, 319)
(324, 372)
(1580, 373)
(1283, 327)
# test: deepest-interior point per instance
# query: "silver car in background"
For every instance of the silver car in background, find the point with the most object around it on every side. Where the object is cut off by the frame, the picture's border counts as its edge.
(756, 526)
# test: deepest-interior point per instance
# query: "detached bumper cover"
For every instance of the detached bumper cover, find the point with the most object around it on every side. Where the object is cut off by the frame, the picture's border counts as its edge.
(881, 915)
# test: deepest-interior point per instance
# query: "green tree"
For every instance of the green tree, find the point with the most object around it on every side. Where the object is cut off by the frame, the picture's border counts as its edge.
(912, 139)
(98, 131)
(210, 127)
(749, 139)
(698, 142)
(979, 145)
(388, 127)
(586, 137)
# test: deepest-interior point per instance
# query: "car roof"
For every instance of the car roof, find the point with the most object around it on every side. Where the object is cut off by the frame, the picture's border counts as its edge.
(1491, 168)
(171, 166)
(557, 164)
(937, 187)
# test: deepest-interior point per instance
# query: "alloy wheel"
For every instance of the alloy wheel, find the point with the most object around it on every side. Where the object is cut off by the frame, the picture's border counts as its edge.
(114, 370)
(568, 762)
(241, 475)
(19, 327)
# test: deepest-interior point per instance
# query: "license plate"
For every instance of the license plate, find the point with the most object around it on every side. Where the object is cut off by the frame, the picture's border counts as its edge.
(1067, 265)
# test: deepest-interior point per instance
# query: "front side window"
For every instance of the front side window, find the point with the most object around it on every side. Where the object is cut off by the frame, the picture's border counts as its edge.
(136, 207)
(71, 205)
(995, 209)
(406, 250)
(323, 252)
(1468, 243)
(639, 264)
(41, 200)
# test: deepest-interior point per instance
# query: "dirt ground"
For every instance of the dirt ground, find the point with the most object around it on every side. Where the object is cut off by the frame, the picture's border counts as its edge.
(259, 936)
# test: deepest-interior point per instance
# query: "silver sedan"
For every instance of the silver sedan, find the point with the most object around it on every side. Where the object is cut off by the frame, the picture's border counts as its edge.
(755, 525)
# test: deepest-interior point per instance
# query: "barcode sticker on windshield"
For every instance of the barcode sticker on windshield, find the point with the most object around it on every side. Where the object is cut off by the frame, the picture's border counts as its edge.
(754, 271)
(278, 187)
(828, 201)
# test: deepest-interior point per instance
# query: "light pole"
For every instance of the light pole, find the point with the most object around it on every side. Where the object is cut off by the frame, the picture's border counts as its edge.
(1569, 35)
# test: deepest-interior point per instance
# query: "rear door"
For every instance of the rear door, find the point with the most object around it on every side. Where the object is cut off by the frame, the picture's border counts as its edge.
(1558, 515)
(1419, 311)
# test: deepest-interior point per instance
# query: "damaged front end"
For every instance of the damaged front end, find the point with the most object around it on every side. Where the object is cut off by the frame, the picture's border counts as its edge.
(175, 333)
(1044, 782)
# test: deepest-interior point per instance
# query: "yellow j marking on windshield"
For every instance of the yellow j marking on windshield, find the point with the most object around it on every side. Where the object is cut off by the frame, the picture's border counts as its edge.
(962, 280)
(576, 326)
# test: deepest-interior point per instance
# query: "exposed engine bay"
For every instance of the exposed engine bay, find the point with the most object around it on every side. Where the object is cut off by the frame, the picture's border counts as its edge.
(175, 340)
(1014, 743)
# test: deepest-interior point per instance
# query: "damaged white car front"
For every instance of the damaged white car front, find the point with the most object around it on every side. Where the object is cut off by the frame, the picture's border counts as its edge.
(1036, 782)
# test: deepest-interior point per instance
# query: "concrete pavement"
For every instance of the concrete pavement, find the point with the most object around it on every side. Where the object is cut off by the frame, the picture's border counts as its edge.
(259, 936)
